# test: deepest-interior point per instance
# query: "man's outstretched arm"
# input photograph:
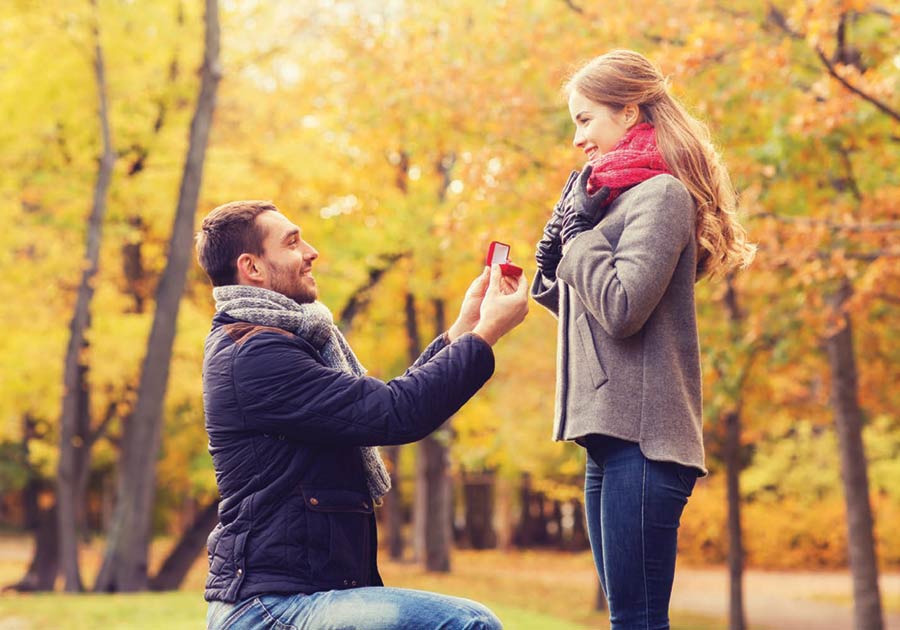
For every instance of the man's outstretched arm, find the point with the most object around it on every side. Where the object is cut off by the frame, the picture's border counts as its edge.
(283, 390)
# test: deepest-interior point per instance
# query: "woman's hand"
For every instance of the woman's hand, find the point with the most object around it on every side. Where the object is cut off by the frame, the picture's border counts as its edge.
(549, 249)
(585, 210)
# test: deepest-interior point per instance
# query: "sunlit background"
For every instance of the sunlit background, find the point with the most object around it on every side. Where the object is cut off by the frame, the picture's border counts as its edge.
(403, 137)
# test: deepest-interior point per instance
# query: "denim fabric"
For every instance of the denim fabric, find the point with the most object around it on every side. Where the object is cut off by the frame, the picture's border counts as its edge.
(633, 507)
(370, 608)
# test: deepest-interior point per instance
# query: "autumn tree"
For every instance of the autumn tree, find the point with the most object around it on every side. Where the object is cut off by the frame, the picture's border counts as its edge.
(125, 564)
(76, 436)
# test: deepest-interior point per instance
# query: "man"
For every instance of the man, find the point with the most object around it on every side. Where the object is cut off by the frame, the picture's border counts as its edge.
(292, 422)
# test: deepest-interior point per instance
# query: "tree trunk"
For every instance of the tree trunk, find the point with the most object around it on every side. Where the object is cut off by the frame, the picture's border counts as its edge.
(555, 535)
(413, 348)
(433, 499)
(478, 491)
(74, 423)
(521, 537)
(434, 491)
(44, 567)
(189, 546)
(125, 563)
(849, 420)
(41, 518)
(540, 507)
(580, 539)
(505, 518)
(393, 505)
(736, 619)
(532, 529)
(133, 264)
(732, 454)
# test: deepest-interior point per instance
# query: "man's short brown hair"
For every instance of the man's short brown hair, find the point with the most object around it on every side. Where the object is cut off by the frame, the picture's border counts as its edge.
(227, 232)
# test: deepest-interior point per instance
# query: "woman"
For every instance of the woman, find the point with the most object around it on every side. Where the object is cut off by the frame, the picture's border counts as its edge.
(651, 212)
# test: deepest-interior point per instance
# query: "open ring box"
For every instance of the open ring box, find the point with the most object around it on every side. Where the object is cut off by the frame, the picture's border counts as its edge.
(498, 253)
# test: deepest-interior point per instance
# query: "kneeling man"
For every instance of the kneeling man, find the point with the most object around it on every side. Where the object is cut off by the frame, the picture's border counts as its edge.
(293, 422)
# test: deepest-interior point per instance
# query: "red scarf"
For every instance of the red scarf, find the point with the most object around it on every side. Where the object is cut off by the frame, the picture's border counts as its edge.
(634, 159)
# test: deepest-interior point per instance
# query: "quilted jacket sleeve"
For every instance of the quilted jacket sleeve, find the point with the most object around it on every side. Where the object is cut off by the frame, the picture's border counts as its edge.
(621, 286)
(433, 348)
(282, 389)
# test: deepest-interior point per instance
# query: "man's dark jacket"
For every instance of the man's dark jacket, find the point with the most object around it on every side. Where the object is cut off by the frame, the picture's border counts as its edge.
(284, 434)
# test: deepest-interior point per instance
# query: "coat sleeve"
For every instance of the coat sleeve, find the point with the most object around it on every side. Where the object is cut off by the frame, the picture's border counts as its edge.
(546, 292)
(621, 287)
(433, 348)
(282, 389)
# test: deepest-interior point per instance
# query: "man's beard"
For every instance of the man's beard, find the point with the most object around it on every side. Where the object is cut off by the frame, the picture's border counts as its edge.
(293, 285)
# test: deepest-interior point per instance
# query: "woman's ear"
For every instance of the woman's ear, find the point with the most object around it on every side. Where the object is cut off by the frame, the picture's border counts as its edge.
(631, 114)
(249, 270)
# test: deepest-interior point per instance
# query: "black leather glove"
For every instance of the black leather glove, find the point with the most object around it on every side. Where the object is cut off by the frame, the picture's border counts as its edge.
(549, 249)
(584, 211)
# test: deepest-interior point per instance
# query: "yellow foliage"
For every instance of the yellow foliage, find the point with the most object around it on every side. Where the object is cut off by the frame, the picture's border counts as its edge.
(428, 130)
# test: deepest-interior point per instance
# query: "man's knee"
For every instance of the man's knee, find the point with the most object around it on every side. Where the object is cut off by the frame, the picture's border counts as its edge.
(483, 619)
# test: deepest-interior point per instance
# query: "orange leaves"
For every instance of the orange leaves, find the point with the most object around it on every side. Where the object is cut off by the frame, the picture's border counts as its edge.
(823, 109)
(877, 287)
(792, 486)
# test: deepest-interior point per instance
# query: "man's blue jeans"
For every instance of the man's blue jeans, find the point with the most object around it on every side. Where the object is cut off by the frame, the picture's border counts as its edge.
(633, 507)
(372, 608)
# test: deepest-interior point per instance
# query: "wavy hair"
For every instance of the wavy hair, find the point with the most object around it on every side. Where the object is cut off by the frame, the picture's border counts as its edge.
(622, 77)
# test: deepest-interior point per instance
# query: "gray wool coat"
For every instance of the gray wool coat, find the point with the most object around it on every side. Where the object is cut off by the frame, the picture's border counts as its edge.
(628, 355)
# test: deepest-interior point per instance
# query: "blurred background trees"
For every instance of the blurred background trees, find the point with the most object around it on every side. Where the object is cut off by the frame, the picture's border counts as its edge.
(403, 137)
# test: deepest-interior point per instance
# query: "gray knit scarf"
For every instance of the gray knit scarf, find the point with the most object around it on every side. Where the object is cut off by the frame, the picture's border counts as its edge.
(314, 323)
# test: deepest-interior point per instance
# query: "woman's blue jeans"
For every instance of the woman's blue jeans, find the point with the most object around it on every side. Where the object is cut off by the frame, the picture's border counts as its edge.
(633, 507)
(370, 608)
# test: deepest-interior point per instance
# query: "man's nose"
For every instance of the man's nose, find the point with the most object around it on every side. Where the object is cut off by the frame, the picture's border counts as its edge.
(310, 253)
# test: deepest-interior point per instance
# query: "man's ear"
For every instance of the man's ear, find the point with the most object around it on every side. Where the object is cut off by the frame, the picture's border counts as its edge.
(250, 270)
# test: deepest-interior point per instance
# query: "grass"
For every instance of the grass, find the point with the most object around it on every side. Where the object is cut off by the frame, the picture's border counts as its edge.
(182, 610)
(527, 590)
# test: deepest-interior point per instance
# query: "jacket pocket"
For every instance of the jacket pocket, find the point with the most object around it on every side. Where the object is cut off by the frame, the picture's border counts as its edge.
(589, 351)
(339, 536)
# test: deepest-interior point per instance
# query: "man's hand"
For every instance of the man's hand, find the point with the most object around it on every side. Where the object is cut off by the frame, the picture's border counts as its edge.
(548, 251)
(585, 210)
(470, 311)
(500, 311)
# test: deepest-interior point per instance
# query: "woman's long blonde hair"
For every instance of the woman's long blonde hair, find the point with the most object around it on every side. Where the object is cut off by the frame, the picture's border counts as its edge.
(623, 77)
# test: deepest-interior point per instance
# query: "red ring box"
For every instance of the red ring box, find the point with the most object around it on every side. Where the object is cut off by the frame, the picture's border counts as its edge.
(498, 253)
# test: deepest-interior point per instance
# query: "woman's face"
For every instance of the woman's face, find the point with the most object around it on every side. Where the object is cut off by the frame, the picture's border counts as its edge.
(598, 127)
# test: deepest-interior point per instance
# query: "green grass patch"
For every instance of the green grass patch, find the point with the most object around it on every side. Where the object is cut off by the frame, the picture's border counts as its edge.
(182, 610)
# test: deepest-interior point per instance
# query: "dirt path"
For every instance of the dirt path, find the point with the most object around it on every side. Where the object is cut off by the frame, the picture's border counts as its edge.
(780, 600)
